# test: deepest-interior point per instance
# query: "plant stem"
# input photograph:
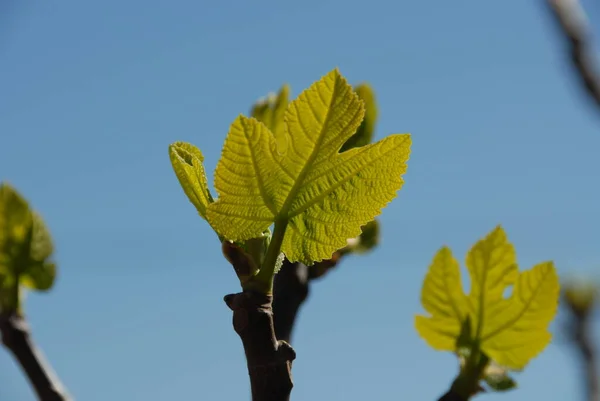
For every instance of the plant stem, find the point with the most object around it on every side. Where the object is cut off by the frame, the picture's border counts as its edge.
(265, 276)
(17, 339)
(466, 385)
(585, 344)
(291, 289)
(572, 23)
(581, 332)
(269, 360)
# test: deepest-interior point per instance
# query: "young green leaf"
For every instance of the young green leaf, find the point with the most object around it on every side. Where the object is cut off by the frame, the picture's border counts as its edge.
(492, 265)
(442, 297)
(39, 273)
(271, 111)
(25, 249)
(364, 134)
(317, 196)
(15, 220)
(519, 332)
(187, 161)
(511, 331)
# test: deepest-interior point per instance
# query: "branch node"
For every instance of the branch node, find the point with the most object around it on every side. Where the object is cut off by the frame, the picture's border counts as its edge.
(269, 360)
(286, 351)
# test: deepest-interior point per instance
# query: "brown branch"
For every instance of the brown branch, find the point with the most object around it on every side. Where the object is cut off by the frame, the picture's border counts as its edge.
(291, 289)
(17, 339)
(452, 395)
(586, 348)
(581, 304)
(572, 22)
(269, 360)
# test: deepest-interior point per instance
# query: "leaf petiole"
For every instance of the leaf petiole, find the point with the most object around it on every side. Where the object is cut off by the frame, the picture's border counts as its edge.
(263, 281)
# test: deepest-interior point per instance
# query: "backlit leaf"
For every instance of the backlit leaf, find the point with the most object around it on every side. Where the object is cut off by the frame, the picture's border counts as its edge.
(271, 111)
(321, 195)
(519, 333)
(443, 298)
(25, 248)
(492, 265)
(511, 331)
(187, 162)
(39, 276)
(38, 273)
(15, 220)
(364, 134)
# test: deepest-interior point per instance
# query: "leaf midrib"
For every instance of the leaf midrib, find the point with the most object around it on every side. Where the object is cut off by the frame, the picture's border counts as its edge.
(481, 314)
(306, 168)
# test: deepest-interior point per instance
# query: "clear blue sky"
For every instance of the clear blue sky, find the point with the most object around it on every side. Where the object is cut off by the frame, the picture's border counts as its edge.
(92, 93)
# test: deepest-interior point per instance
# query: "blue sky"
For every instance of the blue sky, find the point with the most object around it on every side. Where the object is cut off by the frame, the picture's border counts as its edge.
(92, 93)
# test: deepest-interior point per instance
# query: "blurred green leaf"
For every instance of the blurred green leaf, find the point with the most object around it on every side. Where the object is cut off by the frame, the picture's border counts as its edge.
(271, 110)
(366, 241)
(500, 382)
(15, 221)
(39, 276)
(364, 134)
(25, 249)
(41, 247)
(580, 295)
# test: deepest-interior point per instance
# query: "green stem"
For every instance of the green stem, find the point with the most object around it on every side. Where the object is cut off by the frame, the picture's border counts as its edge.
(264, 278)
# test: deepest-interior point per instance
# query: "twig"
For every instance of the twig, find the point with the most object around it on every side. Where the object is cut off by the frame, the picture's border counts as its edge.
(584, 342)
(17, 339)
(291, 289)
(452, 396)
(581, 306)
(269, 360)
(573, 24)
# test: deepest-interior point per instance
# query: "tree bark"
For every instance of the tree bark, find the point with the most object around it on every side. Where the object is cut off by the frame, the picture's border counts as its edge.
(269, 360)
(452, 396)
(291, 289)
(17, 339)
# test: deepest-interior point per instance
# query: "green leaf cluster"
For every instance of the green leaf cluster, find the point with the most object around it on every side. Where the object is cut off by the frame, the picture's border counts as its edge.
(271, 112)
(484, 324)
(25, 249)
(290, 174)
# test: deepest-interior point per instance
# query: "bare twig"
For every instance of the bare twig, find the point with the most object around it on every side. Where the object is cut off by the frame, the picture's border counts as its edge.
(584, 342)
(17, 339)
(573, 24)
(581, 304)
